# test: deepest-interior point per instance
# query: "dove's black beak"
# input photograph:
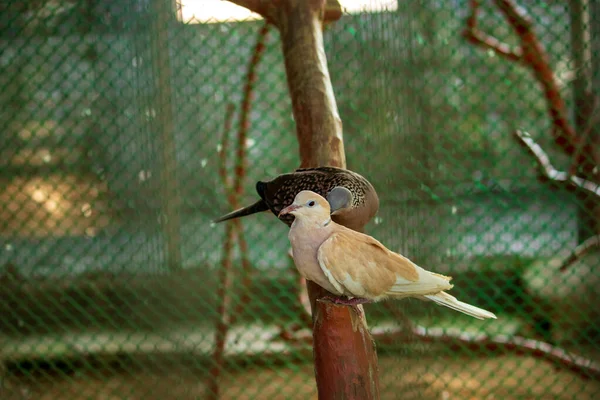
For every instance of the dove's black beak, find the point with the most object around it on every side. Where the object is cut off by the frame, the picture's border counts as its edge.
(288, 210)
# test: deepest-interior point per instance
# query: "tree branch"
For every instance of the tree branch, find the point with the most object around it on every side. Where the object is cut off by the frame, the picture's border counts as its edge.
(480, 38)
(532, 55)
(481, 345)
(549, 171)
(240, 169)
(581, 250)
(222, 323)
(224, 289)
(515, 345)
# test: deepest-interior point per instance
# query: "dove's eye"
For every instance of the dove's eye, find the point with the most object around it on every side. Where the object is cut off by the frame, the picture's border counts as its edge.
(311, 203)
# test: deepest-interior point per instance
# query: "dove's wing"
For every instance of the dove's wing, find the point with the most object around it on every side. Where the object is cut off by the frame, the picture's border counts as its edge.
(360, 266)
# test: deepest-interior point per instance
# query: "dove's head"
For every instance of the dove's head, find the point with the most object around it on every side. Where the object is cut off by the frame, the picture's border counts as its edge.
(308, 206)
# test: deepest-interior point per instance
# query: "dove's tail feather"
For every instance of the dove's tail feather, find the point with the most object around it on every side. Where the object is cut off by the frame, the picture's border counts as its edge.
(259, 206)
(452, 302)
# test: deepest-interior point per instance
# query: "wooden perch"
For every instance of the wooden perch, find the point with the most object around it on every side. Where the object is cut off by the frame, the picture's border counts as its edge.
(341, 374)
(532, 55)
(346, 347)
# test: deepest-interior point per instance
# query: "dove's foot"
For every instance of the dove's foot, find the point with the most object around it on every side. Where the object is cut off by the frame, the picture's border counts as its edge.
(353, 302)
(349, 302)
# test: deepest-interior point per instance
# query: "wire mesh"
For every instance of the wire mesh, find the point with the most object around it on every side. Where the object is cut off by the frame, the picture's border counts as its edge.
(115, 156)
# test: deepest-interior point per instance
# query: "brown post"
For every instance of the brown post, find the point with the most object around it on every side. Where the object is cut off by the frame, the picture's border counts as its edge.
(344, 351)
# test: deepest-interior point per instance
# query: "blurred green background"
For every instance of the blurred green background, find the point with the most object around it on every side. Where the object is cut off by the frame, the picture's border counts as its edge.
(112, 115)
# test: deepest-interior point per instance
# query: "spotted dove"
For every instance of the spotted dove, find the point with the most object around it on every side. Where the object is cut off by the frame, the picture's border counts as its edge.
(354, 201)
(357, 267)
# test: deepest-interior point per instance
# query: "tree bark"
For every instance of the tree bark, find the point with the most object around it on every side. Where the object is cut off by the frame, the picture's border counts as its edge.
(344, 354)
(318, 124)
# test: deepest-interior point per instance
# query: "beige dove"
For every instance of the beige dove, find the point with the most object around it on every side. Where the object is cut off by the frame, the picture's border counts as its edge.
(358, 267)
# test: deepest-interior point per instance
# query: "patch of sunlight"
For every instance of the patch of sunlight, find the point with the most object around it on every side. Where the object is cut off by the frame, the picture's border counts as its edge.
(215, 11)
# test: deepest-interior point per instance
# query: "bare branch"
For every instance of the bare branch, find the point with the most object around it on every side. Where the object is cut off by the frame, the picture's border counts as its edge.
(549, 171)
(533, 56)
(479, 38)
(482, 345)
(257, 53)
(222, 322)
(240, 169)
(580, 250)
(588, 186)
(541, 157)
(516, 16)
(225, 280)
(511, 345)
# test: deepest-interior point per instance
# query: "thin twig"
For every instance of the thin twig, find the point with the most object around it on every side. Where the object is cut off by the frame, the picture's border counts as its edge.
(234, 230)
(581, 250)
(240, 169)
(549, 171)
(225, 280)
(244, 125)
(515, 345)
(222, 323)
(541, 157)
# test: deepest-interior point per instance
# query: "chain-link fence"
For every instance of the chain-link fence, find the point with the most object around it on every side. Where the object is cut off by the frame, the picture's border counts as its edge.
(114, 154)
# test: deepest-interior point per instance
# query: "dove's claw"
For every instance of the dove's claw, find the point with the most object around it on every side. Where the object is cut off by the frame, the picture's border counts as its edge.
(346, 301)
(353, 302)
